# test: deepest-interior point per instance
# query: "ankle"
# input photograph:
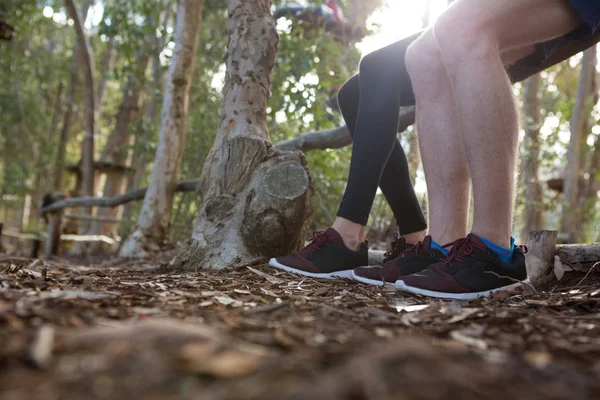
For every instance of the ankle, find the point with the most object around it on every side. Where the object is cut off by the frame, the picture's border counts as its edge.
(415, 237)
(352, 242)
(500, 240)
(352, 234)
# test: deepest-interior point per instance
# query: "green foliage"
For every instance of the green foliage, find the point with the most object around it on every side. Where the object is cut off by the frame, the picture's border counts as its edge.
(311, 66)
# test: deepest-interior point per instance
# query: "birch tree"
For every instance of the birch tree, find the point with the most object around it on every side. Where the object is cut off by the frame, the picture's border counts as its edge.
(153, 226)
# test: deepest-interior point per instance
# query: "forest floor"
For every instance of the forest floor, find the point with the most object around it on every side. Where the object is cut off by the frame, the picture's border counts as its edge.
(120, 329)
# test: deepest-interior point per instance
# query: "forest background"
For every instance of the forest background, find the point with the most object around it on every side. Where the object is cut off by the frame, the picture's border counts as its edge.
(43, 113)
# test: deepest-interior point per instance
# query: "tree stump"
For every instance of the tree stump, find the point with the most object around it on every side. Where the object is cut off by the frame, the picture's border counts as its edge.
(540, 257)
(257, 199)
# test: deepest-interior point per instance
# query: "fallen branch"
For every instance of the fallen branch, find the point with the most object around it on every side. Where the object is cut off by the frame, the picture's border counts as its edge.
(138, 194)
(581, 256)
(339, 137)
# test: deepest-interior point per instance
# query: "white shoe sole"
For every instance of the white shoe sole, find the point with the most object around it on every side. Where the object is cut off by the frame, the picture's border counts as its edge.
(369, 281)
(401, 286)
(338, 274)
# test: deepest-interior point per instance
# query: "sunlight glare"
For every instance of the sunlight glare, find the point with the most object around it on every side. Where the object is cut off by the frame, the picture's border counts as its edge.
(48, 12)
(396, 19)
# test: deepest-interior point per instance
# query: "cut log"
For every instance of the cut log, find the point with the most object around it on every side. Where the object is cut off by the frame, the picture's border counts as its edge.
(540, 257)
(579, 256)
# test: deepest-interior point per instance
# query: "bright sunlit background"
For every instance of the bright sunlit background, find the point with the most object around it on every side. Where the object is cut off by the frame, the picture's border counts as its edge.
(396, 19)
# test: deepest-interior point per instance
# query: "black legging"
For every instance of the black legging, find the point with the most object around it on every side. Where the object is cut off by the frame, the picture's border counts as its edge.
(370, 103)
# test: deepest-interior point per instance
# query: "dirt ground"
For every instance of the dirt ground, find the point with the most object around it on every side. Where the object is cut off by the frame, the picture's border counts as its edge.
(119, 329)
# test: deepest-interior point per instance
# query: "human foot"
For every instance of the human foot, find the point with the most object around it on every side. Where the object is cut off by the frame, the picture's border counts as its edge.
(325, 257)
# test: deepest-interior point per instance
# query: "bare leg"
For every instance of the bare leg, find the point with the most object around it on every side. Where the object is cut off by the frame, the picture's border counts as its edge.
(440, 141)
(471, 35)
(352, 233)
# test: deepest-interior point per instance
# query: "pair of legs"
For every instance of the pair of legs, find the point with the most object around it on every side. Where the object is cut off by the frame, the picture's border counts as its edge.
(466, 112)
(370, 103)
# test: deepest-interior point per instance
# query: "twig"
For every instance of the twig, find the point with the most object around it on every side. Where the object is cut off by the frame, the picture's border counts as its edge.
(512, 280)
(586, 275)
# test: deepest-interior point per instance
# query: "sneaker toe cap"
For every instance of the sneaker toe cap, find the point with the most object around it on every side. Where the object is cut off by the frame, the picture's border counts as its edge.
(386, 274)
(434, 278)
(295, 262)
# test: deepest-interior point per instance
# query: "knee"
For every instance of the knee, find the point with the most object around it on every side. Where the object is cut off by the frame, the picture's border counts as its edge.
(348, 94)
(462, 38)
(423, 60)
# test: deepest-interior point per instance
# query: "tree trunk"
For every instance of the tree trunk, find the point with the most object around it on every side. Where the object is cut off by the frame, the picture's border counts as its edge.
(152, 230)
(569, 218)
(87, 148)
(256, 198)
(533, 212)
(107, 64)
(87, 153)
(114, 151)
(152, 89)
(59, 162)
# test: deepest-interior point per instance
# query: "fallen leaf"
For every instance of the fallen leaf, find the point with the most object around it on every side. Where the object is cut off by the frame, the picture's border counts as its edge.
(225, 300)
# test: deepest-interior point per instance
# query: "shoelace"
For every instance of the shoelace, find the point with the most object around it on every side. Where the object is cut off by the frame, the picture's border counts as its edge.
(414, 250)
(395, 244)
(461, 247)
(318, 240)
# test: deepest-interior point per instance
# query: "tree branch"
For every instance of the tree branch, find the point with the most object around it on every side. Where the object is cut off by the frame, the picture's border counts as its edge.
(189, 185)
(339, 137)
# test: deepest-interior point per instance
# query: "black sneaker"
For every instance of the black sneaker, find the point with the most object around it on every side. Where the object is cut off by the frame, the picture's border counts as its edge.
(413, 259)
(471, 270)
(325, 257)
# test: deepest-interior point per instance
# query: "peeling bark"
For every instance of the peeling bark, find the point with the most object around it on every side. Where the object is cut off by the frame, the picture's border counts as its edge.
(256, 198)
(154, 222)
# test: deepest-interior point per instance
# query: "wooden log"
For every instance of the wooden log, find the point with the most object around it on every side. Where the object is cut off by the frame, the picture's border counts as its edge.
(138, 194)
(579, 256)
(109, 220)
(339, 137)
(376, 257)
(540, 257)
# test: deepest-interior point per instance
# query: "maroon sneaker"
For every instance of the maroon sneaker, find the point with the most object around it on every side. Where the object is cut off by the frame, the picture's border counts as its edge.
(471, 270)
(325, 257)
(414, 259)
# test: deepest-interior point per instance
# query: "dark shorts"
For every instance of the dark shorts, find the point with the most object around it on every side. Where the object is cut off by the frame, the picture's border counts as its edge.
(589, 11)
